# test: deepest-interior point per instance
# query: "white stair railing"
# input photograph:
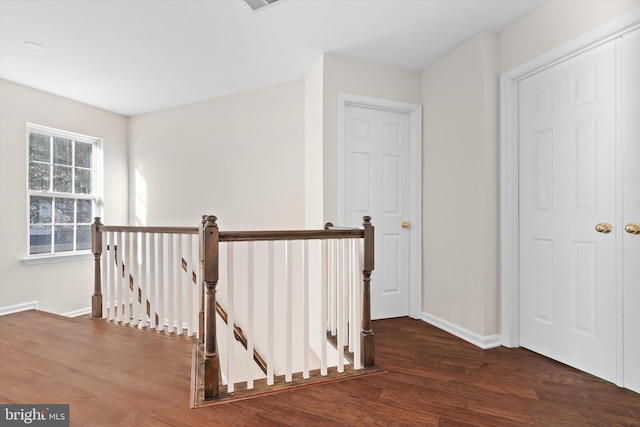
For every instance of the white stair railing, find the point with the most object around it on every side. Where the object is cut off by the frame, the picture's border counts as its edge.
(146, 278)
(286, 296)
(291, 292)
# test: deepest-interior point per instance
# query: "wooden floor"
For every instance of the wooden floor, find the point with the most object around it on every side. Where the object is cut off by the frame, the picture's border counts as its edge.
(114, 375)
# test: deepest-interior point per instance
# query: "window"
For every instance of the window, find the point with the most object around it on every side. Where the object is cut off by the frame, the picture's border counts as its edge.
(63, 190)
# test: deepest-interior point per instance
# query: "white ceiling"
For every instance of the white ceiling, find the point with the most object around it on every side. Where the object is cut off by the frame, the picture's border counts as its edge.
(136, 56)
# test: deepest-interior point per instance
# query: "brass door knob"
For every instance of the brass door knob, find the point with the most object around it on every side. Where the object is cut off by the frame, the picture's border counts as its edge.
(633, 228)
(405, 224)
(604, 227)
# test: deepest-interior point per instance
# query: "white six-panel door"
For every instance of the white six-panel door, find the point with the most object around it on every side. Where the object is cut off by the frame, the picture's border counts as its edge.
(376, 183)
(579, 150)
(630, 159)
(568, 178)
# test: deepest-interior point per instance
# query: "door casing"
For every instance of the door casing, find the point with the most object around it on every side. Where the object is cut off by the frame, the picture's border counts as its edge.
(509, 173)
(415, 183)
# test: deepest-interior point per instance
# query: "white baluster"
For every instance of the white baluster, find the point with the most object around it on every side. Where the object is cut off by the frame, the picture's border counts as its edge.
(107, 274)
(152, 281)
(146, 278)
(324, 267)
(104, 278)
(135, 272)
(357, 303)
(305, 309)
(250, 325)
(160, 294)
(355, 300)
(344, 295)
(179, 286)
(353, 320)
(289, 309)
(182, 285)
(121, 279)
(124, 254)
(200, 291)
(118, 272)
(230, 320)
(172, 282)
(270, 313)
(111, 278)
(340, 303)
(195, 273)
(188, 313)
(333, 275)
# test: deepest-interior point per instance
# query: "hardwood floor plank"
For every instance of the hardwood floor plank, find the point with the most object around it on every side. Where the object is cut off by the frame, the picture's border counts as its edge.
(116, 375)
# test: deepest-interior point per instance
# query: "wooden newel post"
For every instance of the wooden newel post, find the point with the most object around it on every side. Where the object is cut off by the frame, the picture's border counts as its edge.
(201, 257)
(96, 248)
(367, 339)
(209, 235)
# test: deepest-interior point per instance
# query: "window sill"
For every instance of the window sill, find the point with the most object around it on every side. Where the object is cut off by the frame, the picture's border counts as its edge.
(51, 258)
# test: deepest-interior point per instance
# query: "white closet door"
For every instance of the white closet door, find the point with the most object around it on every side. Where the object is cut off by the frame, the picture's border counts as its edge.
(631, 207)
(567, 143)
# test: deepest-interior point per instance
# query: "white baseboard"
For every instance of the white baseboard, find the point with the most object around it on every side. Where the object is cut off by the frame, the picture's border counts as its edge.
(78, 313)
(481, 341)
(9, 309)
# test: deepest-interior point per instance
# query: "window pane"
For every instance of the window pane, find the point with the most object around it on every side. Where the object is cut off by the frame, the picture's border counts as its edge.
(60, 169)
(62, 179)
(84, 154)
(63, 238)
(40, 209)
(39, 147)
(83, 181)
(62, 151)
(40, 239)
(39, 176)
(83, 237)
(84, 211)
(65, 211)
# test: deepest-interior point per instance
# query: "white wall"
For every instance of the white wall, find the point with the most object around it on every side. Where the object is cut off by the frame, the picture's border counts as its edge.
(460, 207)
(239, 157)
(66, 286)
(314, 99)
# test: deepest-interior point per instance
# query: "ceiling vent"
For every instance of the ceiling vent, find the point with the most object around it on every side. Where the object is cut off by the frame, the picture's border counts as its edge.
(258, 4)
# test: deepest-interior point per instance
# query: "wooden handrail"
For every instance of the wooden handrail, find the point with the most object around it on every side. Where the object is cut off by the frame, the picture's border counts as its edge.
(145, 229)
(244, 236)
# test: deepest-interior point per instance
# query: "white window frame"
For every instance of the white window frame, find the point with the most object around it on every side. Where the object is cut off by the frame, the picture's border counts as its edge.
(96, 195)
